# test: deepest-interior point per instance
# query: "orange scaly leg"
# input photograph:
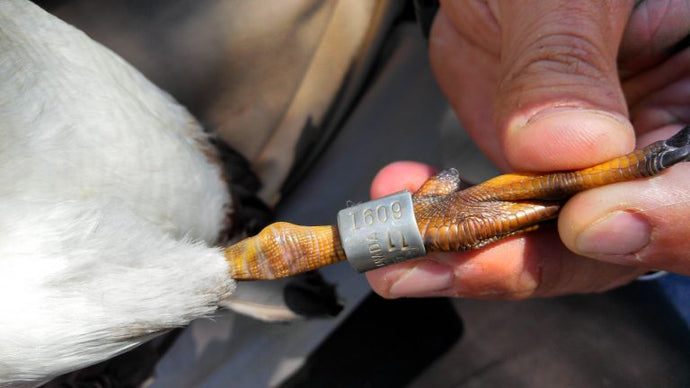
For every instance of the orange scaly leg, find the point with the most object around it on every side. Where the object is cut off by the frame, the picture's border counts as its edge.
(450, 219)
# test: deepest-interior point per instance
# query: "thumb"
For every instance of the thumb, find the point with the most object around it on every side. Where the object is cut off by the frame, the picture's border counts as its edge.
(559, 103)
(544, 71)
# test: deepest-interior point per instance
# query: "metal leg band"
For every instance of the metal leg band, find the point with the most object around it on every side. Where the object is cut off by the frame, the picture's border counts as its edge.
(378, 233)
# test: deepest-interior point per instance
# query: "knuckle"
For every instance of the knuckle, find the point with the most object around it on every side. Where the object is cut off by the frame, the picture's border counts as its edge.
(568, 53)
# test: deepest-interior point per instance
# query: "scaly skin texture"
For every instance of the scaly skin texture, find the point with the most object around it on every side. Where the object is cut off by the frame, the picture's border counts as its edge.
(452, 220)
(283, 249)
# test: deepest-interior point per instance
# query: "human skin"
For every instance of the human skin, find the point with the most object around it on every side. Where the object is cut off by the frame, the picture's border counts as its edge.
(557, 85)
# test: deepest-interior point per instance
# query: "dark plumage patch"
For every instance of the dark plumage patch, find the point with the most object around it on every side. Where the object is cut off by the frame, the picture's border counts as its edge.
(249, 214)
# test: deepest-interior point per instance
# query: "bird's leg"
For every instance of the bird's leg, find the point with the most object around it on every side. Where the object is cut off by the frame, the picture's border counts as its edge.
(649, 161)
(515, 203)
(283, 249)
(452, 219)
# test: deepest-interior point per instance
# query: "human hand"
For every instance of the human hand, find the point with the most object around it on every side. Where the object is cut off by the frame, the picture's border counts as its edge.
(563, 81)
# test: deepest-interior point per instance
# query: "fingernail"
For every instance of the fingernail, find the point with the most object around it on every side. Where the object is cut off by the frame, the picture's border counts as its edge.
(558, 113)
(619, 233)
(566, 138)
(422, 279)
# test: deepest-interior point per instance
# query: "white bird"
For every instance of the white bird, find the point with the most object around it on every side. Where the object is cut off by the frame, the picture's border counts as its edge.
(110, 203)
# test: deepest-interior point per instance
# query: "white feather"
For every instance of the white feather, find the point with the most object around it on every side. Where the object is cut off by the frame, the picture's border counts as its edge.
(107, 203)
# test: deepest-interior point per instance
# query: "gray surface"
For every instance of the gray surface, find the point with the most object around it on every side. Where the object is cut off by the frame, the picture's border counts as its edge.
(459, 151)
(626, 338)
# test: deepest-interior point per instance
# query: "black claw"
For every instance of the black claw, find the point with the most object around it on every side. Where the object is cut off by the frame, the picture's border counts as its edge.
(677, 148)
(669, 158)
(680, 139)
